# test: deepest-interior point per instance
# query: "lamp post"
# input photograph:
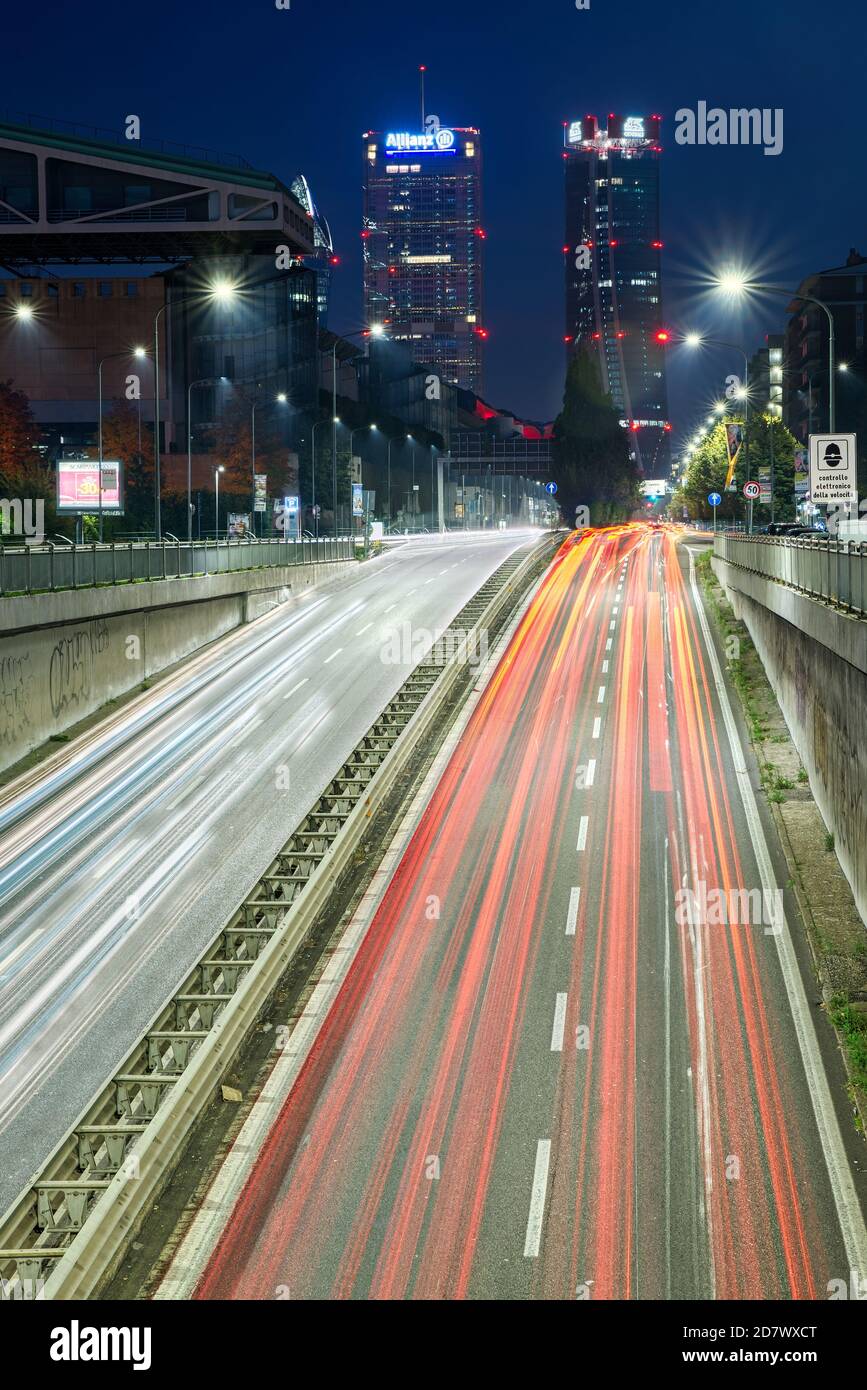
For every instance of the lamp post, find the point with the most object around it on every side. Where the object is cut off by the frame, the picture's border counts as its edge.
(221, 291)
(217, 471)
(334, 423)
(735, 284)
(203, 381)
(393, 440)
(280, 399)
(136, 352)
(376, 330)
(697, 340)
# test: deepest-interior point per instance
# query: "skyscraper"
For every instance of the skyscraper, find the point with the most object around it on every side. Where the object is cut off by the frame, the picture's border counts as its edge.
(423, 242)
(612, 252)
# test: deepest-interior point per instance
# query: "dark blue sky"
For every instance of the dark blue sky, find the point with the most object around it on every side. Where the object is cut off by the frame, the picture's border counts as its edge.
(295, 89)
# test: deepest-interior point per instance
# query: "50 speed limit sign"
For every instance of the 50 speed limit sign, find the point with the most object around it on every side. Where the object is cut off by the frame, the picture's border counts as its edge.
(751, 491)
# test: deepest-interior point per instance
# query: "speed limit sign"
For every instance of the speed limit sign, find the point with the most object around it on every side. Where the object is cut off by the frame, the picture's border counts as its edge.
(752, 491)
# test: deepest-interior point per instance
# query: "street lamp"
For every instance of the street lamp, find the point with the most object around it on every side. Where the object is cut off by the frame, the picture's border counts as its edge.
(698, 340)
(376, 330)
(220, 292)
(393, 440)
(334, 422)
(204, 381)
(735, 284)
(136, 352)
(217, 471)
(23, 311)
(281, 399)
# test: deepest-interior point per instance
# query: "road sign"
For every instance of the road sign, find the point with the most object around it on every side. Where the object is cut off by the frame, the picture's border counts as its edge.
(551, 488)
(833, 468)
(714, 498)
(751, 490)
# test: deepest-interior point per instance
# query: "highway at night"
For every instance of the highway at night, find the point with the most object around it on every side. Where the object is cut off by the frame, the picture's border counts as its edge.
(118, 859)
(540, 1074)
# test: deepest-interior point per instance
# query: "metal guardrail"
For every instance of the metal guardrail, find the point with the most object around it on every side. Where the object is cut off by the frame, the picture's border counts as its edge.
(33, 569)
(67, 1231)
(832, 570)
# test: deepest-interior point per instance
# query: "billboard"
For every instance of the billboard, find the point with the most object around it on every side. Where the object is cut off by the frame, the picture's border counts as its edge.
(260, 496)
(802, 473)
(238, 526)
(78, 486)
(633, 127)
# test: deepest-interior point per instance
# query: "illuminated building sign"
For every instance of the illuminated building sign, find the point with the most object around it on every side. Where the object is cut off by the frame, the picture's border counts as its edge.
(432, 142)
(574, 132)
(633, 128)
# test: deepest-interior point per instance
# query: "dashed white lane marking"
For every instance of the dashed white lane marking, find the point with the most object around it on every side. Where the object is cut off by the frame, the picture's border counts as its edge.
(615, 611)
(582, 832)
(608, 644)
(296, 687)
(332, 656)
(597, 727)
(605, 668)
(559, 1026)
(612, 625)
(363, 629)
(601, 696)
(591, 773)
(533, 1238)
(572, 914)
(390, 606)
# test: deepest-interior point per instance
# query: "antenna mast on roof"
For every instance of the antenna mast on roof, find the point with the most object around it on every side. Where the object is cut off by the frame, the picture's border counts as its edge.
(421, 72)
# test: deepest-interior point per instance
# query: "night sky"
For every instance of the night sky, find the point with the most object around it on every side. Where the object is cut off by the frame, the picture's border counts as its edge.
(294, 90)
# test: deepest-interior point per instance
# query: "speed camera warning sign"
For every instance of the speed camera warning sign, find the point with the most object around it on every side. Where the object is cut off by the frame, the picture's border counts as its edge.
(833, 468)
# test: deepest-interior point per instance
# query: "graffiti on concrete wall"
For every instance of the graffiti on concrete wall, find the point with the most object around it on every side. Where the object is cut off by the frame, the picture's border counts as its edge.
(71, 669)
(15, 681)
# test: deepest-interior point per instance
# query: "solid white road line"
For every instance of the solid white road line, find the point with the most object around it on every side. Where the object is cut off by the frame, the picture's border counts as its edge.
(537, 1199)
(582, 832)
(572, 914)
(597, 727)
(559, 1027)
(845, 1197)
(296, 687)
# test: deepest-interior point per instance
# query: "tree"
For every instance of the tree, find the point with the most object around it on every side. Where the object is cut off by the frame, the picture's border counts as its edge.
(22, 471)
(591, 448)
(708, 467)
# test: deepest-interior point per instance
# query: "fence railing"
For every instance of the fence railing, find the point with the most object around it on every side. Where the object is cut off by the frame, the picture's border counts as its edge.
(826, 568)
(32, 569)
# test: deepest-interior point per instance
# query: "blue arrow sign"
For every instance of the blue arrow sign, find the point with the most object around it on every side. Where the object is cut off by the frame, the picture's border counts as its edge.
(551, 488)
(714, 499)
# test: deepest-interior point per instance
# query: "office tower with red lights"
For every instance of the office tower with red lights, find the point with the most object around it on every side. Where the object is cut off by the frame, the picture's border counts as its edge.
(423, 245)
(613, 262)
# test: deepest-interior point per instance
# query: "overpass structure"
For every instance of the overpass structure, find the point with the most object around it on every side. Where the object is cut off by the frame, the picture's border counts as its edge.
(71, 194)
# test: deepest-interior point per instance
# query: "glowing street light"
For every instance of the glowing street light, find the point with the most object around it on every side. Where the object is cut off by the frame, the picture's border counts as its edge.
(734, 283)
(23, 311)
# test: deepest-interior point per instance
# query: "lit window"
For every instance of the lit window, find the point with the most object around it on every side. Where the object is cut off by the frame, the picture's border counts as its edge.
(469, 149)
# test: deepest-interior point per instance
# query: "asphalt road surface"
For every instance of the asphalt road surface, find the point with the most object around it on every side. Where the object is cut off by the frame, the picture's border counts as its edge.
(569, 1059)
(120, 861)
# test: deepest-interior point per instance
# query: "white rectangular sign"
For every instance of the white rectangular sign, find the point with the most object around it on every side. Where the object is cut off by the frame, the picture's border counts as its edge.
(833, 468)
